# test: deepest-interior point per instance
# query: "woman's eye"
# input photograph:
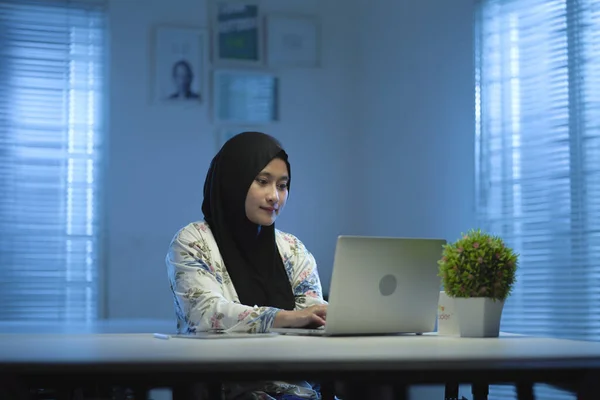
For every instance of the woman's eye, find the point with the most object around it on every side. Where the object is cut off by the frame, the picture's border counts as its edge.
(262, 181)
(283, 186)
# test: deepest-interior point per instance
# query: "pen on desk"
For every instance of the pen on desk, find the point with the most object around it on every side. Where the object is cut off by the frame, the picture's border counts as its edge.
(162, 336)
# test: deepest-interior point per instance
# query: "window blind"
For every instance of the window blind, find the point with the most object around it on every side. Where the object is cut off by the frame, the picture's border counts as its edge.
(51, 124)
(538, 161)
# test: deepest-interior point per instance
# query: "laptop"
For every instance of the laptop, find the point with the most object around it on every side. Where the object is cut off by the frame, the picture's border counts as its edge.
(381, 285)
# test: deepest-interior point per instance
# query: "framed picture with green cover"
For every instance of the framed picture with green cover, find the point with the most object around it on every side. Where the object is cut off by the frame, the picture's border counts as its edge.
(237, 33)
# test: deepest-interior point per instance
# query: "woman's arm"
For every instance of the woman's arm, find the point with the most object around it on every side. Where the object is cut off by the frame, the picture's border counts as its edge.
(305, 280)
(198, 290)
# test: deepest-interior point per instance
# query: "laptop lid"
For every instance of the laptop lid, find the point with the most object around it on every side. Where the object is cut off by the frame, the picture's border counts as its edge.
(384, 285)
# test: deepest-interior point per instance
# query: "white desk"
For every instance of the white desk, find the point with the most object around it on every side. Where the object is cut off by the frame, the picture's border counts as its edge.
(291, 353)
(123, 325)
(401, 359)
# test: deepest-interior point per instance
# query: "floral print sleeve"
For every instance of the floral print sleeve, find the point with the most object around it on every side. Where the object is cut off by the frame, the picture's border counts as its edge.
(203, 294)
(301, 268)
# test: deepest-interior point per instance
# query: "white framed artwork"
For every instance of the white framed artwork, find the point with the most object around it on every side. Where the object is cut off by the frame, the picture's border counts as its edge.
(292, 41)
(237, 33)
(180, 65)
(245, 97)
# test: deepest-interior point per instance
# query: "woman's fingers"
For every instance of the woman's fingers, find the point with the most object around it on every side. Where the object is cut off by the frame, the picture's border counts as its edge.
(318, 321)
(322, 311)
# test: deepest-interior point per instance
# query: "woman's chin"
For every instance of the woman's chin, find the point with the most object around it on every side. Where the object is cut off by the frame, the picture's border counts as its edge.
(267, 221)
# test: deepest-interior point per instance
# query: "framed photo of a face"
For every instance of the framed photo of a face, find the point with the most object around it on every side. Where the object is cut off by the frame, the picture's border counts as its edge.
(180, 65)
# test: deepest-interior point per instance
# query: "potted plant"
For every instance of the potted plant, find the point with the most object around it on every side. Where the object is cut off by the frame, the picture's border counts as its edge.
(478, 271)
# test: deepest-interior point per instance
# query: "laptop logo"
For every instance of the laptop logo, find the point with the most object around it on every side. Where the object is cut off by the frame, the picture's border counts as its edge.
(387, 285)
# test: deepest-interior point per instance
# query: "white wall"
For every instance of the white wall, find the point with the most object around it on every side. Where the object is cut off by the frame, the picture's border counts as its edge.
(158, 155)
(380, 137)
(416, 146)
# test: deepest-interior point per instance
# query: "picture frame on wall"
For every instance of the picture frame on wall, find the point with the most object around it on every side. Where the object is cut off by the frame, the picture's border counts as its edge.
(237, 33)
(245, 97)
(180, 65)
(293, 41)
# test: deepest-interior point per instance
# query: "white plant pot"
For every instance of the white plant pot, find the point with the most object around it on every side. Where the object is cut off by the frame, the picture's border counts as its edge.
(478, 316)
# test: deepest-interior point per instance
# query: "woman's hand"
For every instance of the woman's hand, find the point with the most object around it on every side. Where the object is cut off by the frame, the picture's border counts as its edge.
(310, 317)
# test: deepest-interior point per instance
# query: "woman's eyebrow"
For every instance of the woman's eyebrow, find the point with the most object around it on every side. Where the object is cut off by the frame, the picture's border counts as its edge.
(269, 175)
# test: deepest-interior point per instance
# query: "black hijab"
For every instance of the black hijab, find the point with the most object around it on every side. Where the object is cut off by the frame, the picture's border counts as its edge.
(249, 251)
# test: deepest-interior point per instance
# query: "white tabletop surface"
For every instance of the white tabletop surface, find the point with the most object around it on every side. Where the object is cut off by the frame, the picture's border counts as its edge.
(116, 325)
(290, 352)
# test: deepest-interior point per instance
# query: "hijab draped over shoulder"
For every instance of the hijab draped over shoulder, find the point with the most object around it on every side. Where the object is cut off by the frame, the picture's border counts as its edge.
(249, 251)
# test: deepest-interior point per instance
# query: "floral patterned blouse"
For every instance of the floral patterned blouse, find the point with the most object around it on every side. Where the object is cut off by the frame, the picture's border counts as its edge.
(205, 298)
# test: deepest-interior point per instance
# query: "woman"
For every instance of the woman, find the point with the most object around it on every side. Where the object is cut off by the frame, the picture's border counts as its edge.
(234, 270)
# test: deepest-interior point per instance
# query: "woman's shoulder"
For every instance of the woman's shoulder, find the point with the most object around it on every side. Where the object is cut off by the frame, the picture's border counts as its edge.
(196, 240)
(289, 241)
(194, 231)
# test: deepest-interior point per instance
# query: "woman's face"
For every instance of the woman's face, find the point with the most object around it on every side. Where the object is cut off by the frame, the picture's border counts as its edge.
(268, 193)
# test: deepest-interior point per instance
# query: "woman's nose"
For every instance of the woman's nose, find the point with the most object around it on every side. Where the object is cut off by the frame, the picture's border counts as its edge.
(273, 195)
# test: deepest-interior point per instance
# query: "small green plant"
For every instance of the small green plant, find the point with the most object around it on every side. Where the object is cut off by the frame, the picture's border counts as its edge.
(478, 265)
